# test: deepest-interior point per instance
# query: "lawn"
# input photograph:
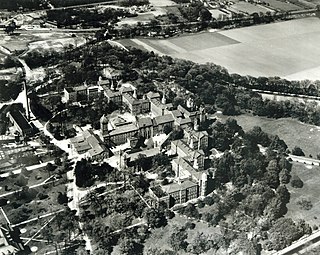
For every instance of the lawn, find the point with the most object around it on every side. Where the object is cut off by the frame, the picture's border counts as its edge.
(293, 132)
(310, 191)
(287, 49)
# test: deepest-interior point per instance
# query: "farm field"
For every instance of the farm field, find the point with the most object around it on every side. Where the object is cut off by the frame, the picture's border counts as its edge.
(286, 49)
(282, 5)
(310, 192)
(244, 7)
(293, 132)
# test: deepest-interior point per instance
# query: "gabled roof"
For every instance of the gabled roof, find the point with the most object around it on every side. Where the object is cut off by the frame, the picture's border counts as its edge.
(19, 118)
(181, 121)
(124, 129)
(159, 120)
(174, 187)
(152, 95)
(176, 114)
(144, 122)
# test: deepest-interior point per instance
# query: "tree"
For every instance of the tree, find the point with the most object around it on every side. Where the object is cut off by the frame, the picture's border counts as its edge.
(191, 211)
(200, 244)
(296, 182)
(178, 240)
(167, 129)
(297, 151)
(155, 218)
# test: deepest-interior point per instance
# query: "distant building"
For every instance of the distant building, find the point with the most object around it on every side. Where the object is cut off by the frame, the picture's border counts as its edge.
(196, 139)
(136, 106)
(112, 95)
(145, 126)
(19, 122)
(10, 242)
(89, 143)
(176, 193)
(160, 122)
(75, 94)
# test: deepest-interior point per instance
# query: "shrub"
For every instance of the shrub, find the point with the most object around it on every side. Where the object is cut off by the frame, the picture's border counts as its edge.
(305, 204)
(296, 182)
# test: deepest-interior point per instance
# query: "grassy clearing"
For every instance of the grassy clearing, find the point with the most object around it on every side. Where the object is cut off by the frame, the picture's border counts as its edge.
(264, 50)
(244, 7)
(310, 191)
(159, 238)
(293, 132)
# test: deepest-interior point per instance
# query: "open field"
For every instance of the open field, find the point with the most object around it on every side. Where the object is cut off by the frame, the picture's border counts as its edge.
(293, 132)
(310, 191)
(162, 2)
(282, 5)
(288, 49)
(244, 7)
(21, 41)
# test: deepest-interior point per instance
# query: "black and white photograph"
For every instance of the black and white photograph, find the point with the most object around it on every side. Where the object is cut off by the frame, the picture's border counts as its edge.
(159, 127)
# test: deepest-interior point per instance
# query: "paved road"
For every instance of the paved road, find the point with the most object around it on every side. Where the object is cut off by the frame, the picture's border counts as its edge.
(305, 160)
(299, 246)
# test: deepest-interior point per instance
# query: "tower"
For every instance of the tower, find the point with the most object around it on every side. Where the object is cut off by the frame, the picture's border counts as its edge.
(104, 125)
(27, 101)
(196, 124)
(202, 114)
(135, 93)
(163, 100)
(203, 184)
(190, 103)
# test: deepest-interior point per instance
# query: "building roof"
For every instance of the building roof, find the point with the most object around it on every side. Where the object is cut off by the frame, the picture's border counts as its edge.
(176, 114)
(184, 147)
(195, 134)
(152, 95)
(186, 166)
(110, 93)
(123, 129)
(145, 122)
(20, 120)
(125, 89)
(186, 112)
(148, 153)
(88, 141)
(174, 187)
(182, 121)
(131, 99)
(80, 144)
(76, 89)
(159, 120)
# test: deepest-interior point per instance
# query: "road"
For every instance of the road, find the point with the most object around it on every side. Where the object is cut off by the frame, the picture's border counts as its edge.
(299, 247)
(304, 160)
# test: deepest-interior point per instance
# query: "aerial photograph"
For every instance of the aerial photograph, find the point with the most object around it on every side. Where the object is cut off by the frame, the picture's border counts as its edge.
(160, 127)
